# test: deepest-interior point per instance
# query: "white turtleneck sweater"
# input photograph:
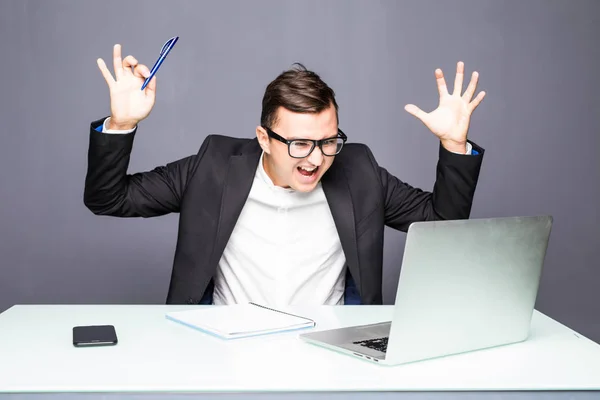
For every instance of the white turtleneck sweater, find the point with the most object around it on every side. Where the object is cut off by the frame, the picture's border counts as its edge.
(284, 249)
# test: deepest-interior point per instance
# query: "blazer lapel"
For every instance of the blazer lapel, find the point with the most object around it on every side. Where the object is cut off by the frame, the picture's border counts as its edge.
(337, 191)
(238, 182)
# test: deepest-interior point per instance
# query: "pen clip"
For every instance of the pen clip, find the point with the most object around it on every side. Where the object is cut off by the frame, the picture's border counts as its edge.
(168, 43)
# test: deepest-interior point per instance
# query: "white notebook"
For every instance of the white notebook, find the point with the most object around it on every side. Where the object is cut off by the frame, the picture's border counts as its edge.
(240, 320)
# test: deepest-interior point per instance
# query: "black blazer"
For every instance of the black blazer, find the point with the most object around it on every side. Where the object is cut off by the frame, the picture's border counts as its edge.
(209, 189)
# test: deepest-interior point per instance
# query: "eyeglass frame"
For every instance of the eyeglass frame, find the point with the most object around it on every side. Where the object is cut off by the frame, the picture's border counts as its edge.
(315, 143)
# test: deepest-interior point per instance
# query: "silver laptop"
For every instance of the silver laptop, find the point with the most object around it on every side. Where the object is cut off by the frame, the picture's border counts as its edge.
(464, 285)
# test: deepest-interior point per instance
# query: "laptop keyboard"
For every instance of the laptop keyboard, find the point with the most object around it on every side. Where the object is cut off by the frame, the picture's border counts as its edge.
(379, 344)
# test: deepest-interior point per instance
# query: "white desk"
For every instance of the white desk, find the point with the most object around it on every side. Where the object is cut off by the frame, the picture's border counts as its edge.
(156, 356)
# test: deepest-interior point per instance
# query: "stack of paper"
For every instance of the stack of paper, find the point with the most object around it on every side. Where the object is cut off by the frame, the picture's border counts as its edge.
(240, 320)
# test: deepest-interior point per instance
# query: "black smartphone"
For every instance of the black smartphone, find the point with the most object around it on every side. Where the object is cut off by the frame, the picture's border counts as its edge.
(94, 335)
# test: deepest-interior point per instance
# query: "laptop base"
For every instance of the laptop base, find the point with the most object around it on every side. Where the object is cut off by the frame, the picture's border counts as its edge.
(353, 340)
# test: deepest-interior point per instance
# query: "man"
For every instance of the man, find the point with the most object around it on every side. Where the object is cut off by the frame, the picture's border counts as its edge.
(275, 219)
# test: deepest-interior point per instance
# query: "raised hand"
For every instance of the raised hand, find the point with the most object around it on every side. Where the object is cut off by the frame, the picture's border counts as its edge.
(128, 104)
(450, 121)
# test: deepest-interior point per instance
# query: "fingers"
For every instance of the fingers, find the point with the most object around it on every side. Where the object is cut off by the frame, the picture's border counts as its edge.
(117, 63)
(141, 71)
(105, 72)
(441, 82)
(129, 63)
(471, 88)
(416, 111)
(473, 105)
(458, 80)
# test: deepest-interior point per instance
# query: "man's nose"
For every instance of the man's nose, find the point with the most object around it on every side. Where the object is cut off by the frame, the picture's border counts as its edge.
(316, 157)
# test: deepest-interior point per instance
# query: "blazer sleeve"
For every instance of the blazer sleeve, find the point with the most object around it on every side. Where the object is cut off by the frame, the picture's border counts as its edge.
(109, 190)
(451, 197)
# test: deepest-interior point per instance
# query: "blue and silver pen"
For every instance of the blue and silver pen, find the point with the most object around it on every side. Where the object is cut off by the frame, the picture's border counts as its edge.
(163, 54)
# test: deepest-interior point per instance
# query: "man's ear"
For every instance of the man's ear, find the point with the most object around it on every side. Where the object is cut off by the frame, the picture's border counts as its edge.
(263, 139)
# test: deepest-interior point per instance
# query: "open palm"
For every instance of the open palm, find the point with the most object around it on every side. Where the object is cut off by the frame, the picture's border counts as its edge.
(450, 120)
(128, 103)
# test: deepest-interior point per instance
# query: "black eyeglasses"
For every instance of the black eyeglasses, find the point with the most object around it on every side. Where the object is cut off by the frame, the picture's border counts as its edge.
(301, 148)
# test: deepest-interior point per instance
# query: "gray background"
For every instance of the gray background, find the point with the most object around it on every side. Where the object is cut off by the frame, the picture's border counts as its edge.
(538, 61)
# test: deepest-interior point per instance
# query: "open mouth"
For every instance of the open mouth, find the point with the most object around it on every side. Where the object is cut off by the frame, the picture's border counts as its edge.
(308, 172)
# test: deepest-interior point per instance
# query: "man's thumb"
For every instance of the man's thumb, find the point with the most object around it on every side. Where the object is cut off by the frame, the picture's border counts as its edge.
(152, 84)
(414, 110)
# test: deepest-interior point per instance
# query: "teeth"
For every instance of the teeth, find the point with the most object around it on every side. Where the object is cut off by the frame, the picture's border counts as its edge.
(309, 169)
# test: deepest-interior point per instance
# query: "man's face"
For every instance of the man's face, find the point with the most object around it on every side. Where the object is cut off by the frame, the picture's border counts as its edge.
(301, 174)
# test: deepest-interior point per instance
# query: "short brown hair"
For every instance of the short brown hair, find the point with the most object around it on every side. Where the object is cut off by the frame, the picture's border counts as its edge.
(298, 90)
